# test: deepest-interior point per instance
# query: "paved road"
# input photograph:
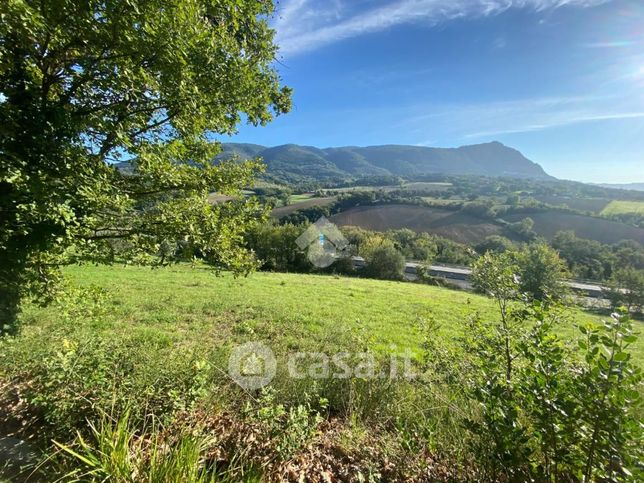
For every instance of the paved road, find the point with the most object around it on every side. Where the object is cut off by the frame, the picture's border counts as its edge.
(461, 276)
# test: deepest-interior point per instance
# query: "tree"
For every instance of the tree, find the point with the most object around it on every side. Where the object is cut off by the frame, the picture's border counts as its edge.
(494, 243)
(626, 289)
(540, 272)
(382, 259)
(585, 258)
(276, 248)
(84, 84)
(523, 227)
(629, 253)
(495, 275)
(417, 246)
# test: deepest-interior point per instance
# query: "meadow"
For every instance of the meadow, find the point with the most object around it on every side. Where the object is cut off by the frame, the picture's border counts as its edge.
(300, 197)
(617, 207)
(155, 343)
(190, 305)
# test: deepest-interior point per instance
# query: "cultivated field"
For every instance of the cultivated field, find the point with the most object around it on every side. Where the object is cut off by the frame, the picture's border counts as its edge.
(413, 186)
(467, 228)
(426, 186)
(457, 226)
(547, 224)
(300, 205)
(349, 189)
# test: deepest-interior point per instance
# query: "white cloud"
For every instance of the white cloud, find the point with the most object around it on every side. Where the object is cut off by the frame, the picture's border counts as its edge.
(485, 121)
(610, 45)
(559, 121)
(304, 25)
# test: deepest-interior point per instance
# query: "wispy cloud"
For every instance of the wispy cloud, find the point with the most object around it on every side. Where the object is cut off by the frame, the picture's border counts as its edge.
(304, 25)
(560, 122)
(485, 121)
(610, 45)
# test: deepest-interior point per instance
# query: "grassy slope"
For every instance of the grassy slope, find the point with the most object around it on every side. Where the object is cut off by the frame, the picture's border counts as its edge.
(180, 305)
(300, 197)
(160, 344)
(617, 207)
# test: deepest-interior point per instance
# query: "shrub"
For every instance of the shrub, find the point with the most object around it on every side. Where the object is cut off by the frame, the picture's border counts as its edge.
(276, 248)
(562, 415)
(524, 228)
(494, 243)
(385, 262)
(609, 402)
(540, 272)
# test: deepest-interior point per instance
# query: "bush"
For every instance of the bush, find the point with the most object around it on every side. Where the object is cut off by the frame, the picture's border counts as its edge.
(524, 228)
(385, 262)
(276, 248)
(494, 243)
(540, 272)
(562, 415)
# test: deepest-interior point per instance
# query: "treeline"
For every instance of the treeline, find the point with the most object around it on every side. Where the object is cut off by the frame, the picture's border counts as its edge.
(463, 186)
(540, 266)
(635, 219)
(385, 253)
(592, 260)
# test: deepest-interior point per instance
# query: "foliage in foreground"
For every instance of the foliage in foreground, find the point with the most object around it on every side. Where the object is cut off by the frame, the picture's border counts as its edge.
(88, 84)
(563, 414)
(119, 452)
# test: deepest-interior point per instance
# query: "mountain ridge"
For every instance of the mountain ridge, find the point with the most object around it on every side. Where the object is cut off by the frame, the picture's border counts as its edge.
(298, 161)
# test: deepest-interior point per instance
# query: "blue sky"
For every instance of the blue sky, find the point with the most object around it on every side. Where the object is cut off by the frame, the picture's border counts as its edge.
(560, 80)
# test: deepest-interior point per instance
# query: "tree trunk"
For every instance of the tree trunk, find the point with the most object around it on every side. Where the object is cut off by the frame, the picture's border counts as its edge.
(9, 308)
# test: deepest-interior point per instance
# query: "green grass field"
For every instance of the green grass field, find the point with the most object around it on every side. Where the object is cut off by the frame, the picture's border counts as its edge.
(617, 207)
(300, 197)
(154, 345)
(190, 305)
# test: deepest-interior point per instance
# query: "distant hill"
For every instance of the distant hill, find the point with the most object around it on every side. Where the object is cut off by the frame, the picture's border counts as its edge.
(622, 186)
(293, 161)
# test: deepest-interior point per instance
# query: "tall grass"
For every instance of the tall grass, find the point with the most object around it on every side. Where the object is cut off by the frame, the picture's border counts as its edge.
(119, 452)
